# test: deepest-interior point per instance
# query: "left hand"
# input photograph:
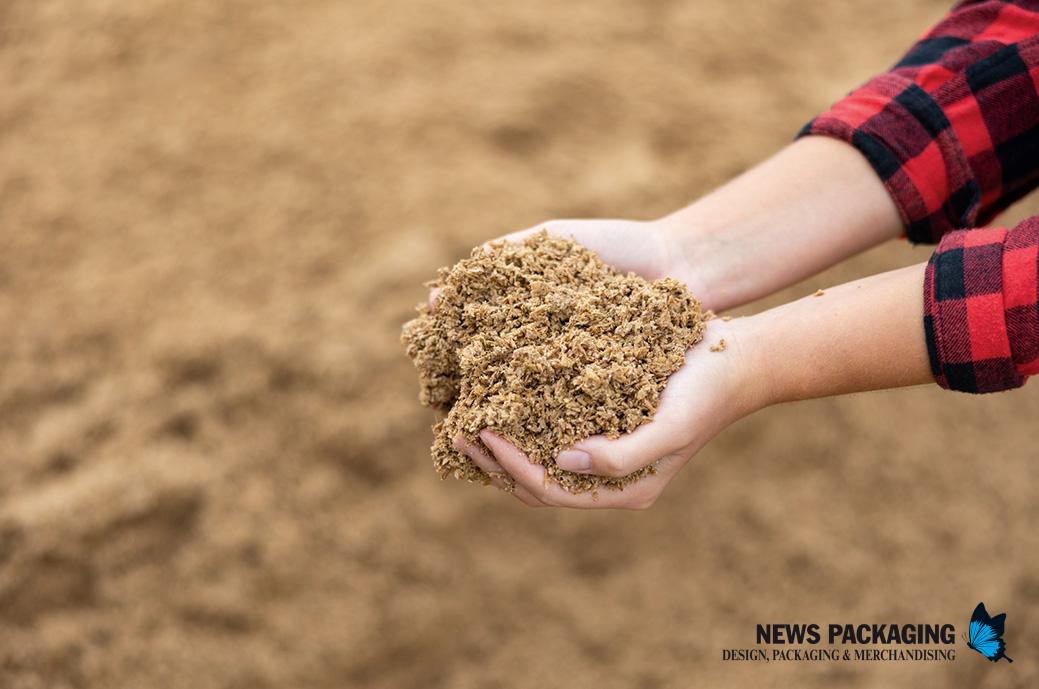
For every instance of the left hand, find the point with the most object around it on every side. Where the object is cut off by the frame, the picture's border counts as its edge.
(710, 391)
(650, 248)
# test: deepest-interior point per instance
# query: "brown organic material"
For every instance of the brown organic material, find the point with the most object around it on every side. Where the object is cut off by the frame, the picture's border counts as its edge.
(547, 345)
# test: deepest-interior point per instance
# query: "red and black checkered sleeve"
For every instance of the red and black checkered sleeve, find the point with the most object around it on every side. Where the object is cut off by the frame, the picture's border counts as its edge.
(981, 308)
(953, 131)
(953, 128)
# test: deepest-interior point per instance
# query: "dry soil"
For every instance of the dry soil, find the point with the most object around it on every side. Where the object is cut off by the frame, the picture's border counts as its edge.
(214, 217)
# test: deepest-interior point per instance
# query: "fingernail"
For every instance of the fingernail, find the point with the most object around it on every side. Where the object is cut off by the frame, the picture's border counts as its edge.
(574, 460)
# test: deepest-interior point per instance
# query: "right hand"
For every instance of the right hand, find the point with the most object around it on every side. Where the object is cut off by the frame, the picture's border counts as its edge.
(710, 391)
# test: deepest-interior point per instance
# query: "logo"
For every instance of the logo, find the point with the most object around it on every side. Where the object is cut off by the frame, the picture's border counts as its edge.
(986, 634)
(867, 641)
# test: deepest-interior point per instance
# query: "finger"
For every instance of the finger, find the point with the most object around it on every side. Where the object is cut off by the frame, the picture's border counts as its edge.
(556, 228)
(479, 457)
(524, 496)
(511, 238)
(499, 478)
(434, 293)
(527, 475)
(643, 493)
(630, 452)
(532, 477)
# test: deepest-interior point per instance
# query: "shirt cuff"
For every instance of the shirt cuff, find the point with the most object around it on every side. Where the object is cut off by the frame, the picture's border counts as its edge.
(909, 141)
(967, 285)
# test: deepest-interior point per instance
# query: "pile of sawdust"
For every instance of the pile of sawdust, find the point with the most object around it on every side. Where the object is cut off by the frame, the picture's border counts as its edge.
(545, 344)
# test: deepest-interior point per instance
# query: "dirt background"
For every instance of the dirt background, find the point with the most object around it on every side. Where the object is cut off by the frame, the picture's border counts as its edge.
(214, 217)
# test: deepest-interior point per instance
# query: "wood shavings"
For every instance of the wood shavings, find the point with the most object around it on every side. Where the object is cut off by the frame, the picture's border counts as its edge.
(545, 344)
(720, 347)
(818, 293)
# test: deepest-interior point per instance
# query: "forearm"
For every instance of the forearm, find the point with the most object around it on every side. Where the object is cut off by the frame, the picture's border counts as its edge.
(864, 335)
(811, 205)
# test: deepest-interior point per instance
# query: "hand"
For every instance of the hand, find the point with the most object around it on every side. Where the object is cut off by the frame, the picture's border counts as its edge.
(650, 249)
(864, 335)
(710, 391)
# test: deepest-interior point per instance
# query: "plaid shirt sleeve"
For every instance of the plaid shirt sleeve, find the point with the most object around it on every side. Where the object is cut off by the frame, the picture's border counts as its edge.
(981, 308)
(953, 132)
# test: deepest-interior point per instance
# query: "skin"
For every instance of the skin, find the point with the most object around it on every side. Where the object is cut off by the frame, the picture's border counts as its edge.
(808, 207)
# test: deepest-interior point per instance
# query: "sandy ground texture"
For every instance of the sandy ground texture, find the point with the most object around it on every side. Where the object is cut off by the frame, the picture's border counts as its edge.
(215, 216)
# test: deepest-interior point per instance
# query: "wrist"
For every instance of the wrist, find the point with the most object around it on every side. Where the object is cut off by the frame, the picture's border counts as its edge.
(690, 256)
(755, 381)
(706, 243)
(746, 379)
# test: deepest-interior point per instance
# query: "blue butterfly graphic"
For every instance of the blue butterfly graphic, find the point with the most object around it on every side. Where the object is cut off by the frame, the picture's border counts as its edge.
(986, 634)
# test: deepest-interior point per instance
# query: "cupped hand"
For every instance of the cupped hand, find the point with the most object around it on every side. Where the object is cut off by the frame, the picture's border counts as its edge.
(714, 388)
(648, 248)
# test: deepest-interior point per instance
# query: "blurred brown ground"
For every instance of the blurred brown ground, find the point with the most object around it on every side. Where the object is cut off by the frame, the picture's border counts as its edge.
(214, 217)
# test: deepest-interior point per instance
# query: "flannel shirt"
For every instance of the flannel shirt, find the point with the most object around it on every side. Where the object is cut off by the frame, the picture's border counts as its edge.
(953, 131)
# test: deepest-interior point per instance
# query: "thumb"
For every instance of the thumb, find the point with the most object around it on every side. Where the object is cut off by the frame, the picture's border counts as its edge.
(602, 456)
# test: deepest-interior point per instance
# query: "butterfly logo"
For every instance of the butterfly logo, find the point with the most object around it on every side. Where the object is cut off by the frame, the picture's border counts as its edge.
(986, 634)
